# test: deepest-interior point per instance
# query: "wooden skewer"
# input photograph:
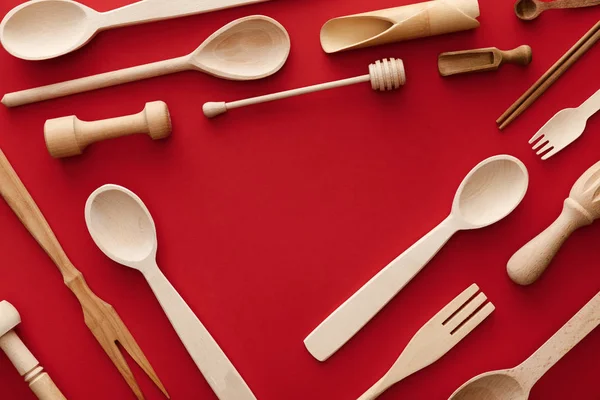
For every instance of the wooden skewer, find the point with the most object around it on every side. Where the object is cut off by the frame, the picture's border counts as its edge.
(383, 75)
(551, 76)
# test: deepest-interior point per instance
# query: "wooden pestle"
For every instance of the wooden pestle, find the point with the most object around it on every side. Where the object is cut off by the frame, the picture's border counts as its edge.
(580, 209)
(69, 136)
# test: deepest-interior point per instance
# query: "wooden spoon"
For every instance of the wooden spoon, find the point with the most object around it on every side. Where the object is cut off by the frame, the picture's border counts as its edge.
(531, 9)
(43, 29)
(248, 48)
(516, 383)
(124, 230)
(581, 208)
(489, 192)
(479, 60)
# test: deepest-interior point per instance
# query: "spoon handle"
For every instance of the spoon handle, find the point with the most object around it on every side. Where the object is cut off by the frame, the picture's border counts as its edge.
(556, 4)
(530, 262)
(350, 317)
(220, 374)
(573, 332)
(591, 105)
(158, 10)
(96, 82)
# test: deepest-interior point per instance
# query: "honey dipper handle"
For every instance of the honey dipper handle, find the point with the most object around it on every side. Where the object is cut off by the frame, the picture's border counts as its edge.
(521, 55)
(45, 388)
(530, 262)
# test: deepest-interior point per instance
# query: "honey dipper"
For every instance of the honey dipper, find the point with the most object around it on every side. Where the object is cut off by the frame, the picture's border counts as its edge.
(383, 74)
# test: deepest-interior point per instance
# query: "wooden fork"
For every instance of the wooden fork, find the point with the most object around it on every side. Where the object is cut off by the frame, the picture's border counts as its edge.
(436, 338)
(100, 317)
(564, 128)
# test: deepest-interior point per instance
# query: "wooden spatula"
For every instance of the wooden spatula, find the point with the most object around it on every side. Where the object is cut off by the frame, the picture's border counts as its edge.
(479, 60)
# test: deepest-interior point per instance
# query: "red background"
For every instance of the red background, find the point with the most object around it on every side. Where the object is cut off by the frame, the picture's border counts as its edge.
(270, 217)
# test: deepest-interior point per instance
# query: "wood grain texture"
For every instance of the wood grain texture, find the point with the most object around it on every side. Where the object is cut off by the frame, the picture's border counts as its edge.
(248, 48)
(580, 209)
(100, 317)
(36, 30)
(481, 60)
(69, 136)
(436, 338)
(397, 24)
(489, 192)
(531, 9)
(516, 383)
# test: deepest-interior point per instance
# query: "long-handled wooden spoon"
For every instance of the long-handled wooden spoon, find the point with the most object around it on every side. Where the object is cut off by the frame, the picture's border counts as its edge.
(124, 230)
(531, 9)
(516, 383)
(43, 29)
(489, 192)
(248, 48)
(480, 60)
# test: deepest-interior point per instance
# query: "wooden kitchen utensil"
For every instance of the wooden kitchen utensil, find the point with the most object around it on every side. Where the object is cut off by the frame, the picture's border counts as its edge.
(68, 136)
(516, 383)
(100, 317)
(479, 60)
(383, 75)
(551, 76)
(531, 9)
(436, 338)
(489, 192)
(564, 128)
(398, 24)
(124, 230)
(43, 29)
(581, 208)
(26, 364)
(248, 48)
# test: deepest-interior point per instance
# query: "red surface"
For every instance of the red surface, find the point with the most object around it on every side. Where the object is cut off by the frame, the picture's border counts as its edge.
(270, 217)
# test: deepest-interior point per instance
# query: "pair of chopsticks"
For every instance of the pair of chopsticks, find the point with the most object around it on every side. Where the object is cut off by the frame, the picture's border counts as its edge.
(551, 76)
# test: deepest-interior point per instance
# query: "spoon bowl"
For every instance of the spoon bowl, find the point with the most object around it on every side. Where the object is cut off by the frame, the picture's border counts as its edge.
(527, 9)
(496, 385)
(38, 30)
(121, 225)
(491, 191)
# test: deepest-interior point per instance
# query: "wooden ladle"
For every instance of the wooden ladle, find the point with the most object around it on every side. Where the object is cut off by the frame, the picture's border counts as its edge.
(516, 383)
(124, 230)
(43, 29)
(531, 9)
(248, 48)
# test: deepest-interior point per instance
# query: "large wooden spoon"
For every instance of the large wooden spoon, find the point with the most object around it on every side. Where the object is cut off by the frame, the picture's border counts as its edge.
(531, 9)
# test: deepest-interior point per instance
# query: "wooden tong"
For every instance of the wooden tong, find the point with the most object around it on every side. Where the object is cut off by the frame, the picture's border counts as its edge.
(551, 76)
(100, 317)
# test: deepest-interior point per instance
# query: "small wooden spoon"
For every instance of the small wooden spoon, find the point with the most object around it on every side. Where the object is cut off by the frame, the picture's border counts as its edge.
(531, 9)
(43, 29)
(516, 383)
(479, 60)
(124, 230)
(248, 48)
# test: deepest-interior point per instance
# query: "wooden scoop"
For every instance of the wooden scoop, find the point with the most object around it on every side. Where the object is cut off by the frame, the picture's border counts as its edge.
(479, 60)
(531, 9)
(580, 209)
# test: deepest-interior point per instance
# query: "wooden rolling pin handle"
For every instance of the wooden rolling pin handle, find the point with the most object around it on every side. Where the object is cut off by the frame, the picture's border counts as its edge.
(530, 262)
(69, 136)
(522, 55)
(29, 368)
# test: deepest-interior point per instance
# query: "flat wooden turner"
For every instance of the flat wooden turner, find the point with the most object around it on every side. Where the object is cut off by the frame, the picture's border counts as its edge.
(479, 60)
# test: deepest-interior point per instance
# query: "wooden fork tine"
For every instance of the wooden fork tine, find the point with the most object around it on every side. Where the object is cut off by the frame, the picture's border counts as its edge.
(456, 304)
(473, 322)
(465, 312)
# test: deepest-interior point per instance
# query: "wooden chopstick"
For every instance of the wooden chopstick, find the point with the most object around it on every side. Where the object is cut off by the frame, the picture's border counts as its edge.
(551, 76)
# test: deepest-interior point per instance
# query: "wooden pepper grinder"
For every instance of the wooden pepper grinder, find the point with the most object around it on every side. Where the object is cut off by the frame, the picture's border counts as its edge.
(28, 366)
(68, 136)
(580, 209)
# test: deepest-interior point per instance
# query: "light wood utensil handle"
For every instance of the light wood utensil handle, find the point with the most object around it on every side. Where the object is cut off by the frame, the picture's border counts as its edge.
(591, 105)
(220, 374)
(355, 312)
(573, 332)
(530, 262)
(96, 82)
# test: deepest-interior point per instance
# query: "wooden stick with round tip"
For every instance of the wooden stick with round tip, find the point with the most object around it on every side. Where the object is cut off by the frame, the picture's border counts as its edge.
(69, 136)
(551, 76)
(383, 75)
(24, 361)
